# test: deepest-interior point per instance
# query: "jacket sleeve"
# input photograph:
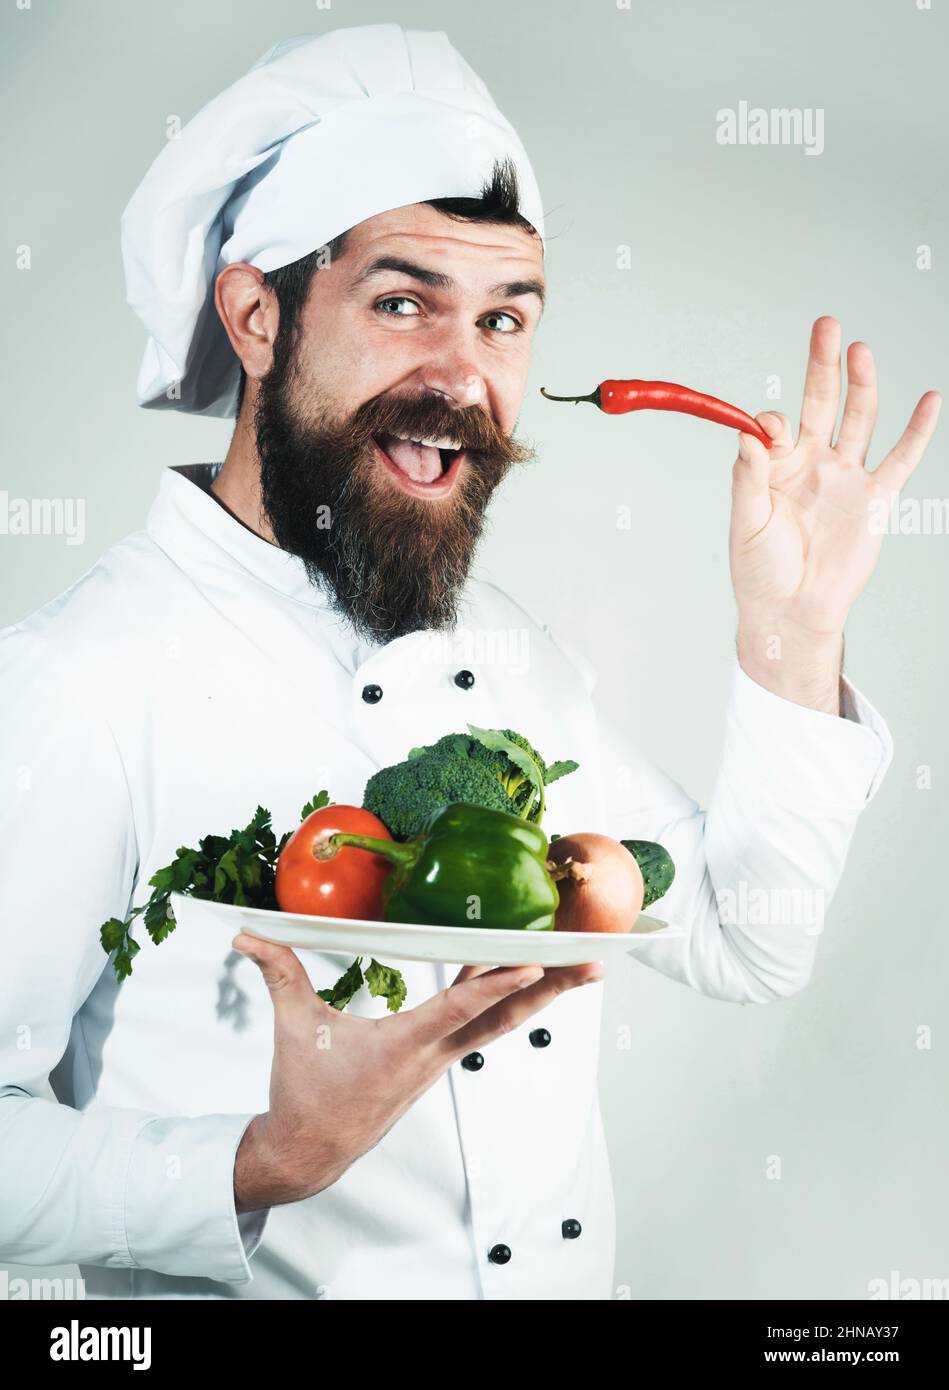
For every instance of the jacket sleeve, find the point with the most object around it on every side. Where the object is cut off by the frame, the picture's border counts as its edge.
(88, 1186)
(756, 871)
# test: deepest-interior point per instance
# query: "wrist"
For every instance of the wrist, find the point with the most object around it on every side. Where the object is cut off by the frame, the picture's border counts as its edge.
(278, 1163)
(802, 666)
(260, 1176)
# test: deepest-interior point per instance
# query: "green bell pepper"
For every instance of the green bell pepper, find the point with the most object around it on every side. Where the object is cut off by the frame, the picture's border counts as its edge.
(468, 866)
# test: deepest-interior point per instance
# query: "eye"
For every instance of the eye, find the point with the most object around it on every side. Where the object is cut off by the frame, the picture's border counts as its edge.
(515, 324)
(397, 313)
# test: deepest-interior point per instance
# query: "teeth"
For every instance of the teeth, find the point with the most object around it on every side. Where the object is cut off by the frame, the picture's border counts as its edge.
(442, 443)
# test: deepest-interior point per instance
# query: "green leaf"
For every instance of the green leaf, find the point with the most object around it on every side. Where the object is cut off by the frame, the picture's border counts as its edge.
(212, 846)
(345, 987)
(116, 936)
(183, 869)
(112, 934)
(251, 873)
(261, 820)
(385, 980)
(202, 881)
(500, 743)
(123, 959)
(318, 802)
(238, 868)
(560, 769)
(159, 919)
(164, 879)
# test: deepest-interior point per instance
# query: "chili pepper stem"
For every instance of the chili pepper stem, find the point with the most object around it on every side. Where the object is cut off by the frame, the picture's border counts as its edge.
(329, 846)
(594, 396)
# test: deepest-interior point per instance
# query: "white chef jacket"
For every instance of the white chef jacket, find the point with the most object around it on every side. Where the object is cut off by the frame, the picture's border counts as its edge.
(193, 673)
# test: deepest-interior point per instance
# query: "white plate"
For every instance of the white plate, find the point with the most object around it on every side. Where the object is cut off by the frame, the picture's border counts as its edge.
(451, 945)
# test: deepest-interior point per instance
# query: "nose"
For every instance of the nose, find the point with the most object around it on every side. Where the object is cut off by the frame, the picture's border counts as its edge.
(456, 380)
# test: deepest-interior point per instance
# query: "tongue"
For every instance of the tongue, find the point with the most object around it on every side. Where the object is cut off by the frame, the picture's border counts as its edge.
(421, 462)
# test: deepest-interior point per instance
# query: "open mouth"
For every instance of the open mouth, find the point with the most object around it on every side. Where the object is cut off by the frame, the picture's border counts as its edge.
(424, 467)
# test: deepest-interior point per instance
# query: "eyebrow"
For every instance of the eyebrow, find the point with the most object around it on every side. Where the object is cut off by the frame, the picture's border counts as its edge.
(436, 280)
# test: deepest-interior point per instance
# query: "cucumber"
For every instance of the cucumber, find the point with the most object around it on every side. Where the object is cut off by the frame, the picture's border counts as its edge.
(656, 867)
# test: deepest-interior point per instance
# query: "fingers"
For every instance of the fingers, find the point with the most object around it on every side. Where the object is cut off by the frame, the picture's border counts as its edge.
(860, 410)
(754, 470)
(751, 487)
(909, 448)
(475, 989)
(778, 426)
(508, 1013)
(290, 989)
(468, 972)
(822, 382)
(556, 979)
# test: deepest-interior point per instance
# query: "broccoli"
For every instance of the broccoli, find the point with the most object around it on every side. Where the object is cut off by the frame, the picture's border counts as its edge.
(497, 768)
(518, 784)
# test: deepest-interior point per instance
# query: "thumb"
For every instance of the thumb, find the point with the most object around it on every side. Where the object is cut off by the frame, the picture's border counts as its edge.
(290, 989)
(778, 427)
(751, 493)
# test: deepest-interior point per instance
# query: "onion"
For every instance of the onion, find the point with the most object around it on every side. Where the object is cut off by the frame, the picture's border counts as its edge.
(600, 884)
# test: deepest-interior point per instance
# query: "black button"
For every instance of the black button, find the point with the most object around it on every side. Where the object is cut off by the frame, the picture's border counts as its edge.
(372, 694)
(465, 679)
(539, 1037)
(499, 1254)
(473, 1062)
(570, 1229)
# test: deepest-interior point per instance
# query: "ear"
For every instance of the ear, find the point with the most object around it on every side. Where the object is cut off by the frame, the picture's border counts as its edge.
(250, 315)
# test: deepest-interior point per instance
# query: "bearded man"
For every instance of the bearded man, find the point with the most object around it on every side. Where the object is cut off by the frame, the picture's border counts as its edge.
(344, 251)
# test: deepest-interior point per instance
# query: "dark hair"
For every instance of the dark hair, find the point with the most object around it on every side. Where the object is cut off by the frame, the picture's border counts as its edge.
(497, 202)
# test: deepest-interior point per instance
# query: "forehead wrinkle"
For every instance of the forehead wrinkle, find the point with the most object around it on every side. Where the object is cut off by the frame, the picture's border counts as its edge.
(435, 279)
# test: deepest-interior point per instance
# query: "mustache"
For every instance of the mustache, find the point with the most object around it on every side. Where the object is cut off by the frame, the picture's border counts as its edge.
(392, 564)
(430, 417)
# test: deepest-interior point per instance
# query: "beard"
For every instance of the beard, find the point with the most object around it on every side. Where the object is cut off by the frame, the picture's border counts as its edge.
(391, 563)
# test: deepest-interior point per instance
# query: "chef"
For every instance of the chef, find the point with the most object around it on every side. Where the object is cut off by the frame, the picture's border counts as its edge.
(344, 251)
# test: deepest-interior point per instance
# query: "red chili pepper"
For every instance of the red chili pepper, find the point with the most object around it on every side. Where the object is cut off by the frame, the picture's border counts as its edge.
(619, 397)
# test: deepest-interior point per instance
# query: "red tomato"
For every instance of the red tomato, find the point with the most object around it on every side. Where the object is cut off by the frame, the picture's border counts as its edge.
(348, 885)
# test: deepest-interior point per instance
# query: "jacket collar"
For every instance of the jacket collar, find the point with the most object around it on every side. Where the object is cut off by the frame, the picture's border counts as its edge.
(188, 522)
(186, 516)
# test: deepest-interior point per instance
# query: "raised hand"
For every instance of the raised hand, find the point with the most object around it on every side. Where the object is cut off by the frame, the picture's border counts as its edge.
(805, 532)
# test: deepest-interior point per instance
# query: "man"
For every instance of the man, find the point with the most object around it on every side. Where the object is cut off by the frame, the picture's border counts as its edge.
(347, 248)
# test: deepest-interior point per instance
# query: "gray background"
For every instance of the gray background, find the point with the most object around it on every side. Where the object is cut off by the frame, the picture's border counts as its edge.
(735, 250)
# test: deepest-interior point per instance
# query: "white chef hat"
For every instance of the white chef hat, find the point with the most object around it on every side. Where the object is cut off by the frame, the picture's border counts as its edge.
(321, 133)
